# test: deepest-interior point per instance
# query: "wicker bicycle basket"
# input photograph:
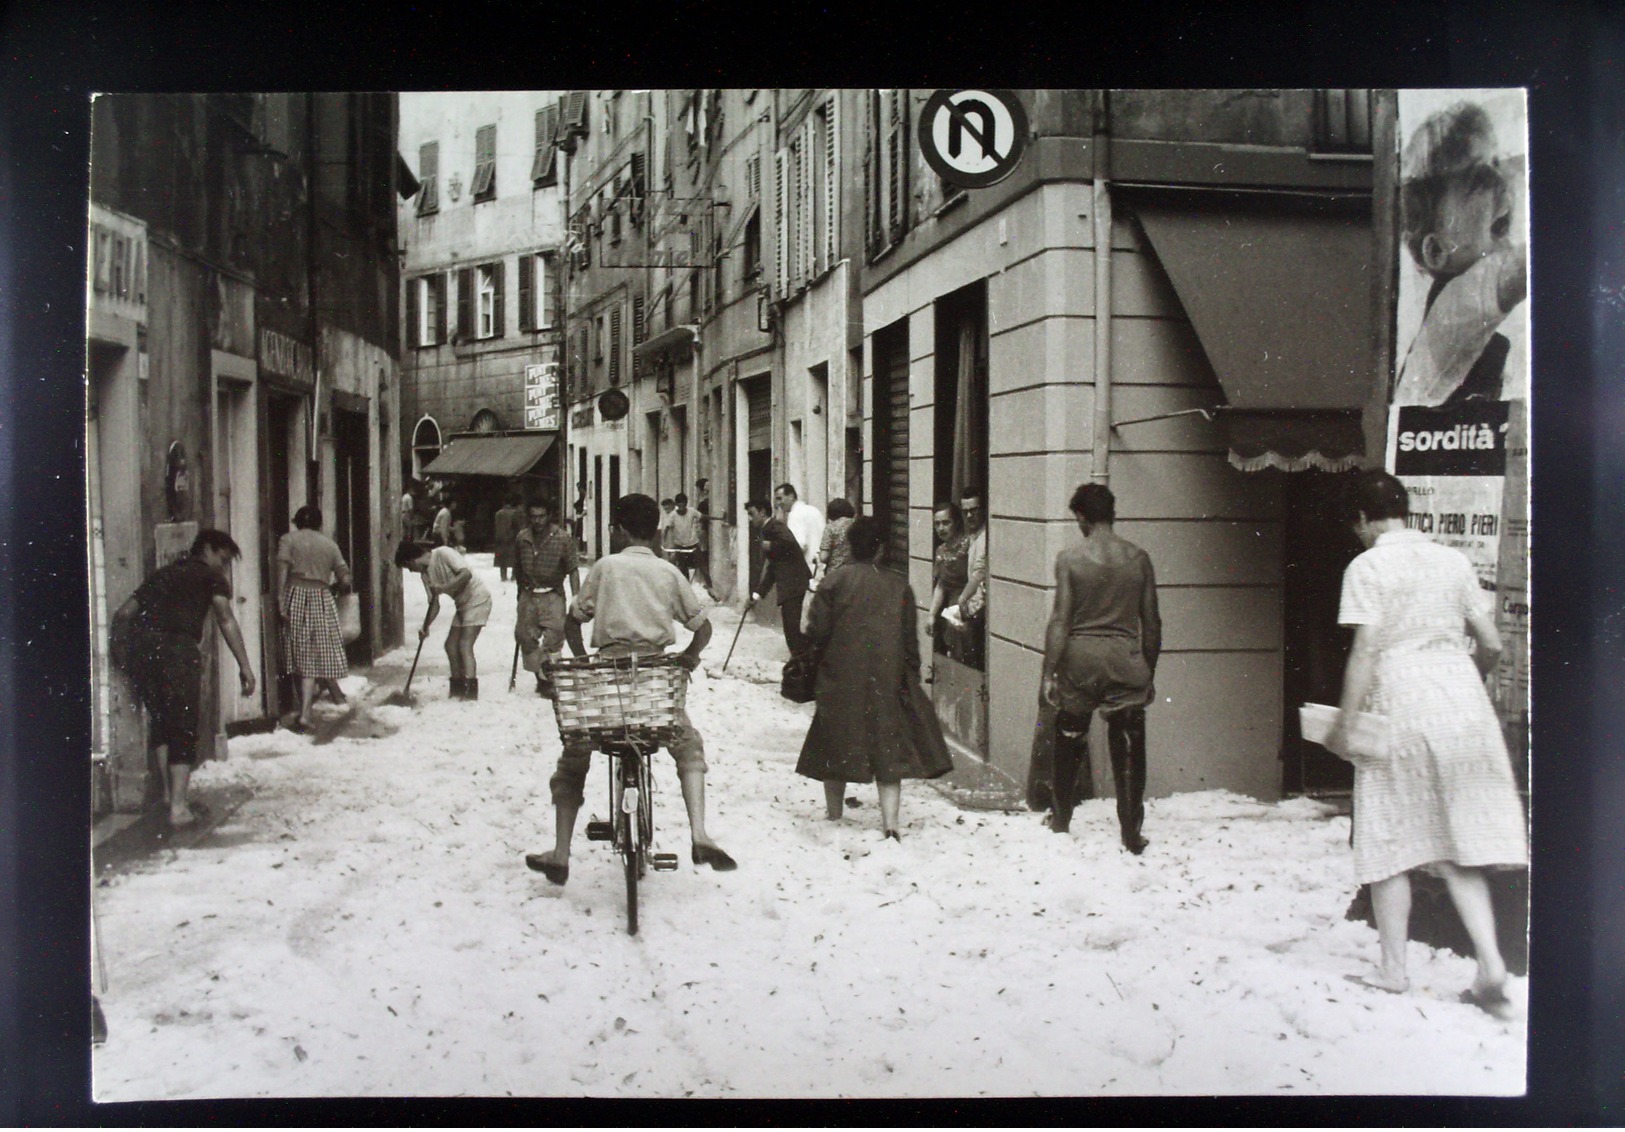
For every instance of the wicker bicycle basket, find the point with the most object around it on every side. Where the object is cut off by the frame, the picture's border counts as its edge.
(625, 699)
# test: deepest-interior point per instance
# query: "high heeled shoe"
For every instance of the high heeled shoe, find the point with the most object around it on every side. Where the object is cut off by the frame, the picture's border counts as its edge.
(715, 857)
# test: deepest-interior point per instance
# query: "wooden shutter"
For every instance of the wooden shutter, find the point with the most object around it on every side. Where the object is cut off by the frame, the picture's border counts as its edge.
(465, 304)
(892, 488)
(545, 266)
(497, 303)
(759, 403)
(544, 166)
(615, 344)
(429, 178)
(832, 184)
(781, 224)
(485, 159)
(527, 306)
(637, 320)
(414, 333)
(807, 193)
(437, 325)
(895, 156)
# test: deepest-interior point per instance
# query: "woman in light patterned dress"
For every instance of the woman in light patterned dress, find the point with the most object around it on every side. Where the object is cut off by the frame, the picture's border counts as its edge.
(1444, 798)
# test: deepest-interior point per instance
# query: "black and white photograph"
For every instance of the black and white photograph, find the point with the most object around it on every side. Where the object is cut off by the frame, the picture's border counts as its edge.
(522, 525)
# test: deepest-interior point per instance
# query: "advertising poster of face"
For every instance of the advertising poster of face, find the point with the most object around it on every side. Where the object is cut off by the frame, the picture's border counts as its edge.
(1458, 435)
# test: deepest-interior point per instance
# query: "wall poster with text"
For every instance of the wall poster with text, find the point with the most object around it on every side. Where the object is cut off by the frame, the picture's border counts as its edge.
(1458, 432)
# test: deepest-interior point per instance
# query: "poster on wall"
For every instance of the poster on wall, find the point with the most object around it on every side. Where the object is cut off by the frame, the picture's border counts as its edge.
(542, 395)
(1458, 435)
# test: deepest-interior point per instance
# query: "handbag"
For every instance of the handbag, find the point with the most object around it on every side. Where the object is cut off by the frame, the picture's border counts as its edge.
(349, 607)
(797, 682)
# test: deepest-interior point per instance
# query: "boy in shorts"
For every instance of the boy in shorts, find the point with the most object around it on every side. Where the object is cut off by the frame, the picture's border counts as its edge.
(446, 572)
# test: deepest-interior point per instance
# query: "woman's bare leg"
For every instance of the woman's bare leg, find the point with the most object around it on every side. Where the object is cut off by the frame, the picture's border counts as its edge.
(1391, 905)
(1470, 892)
(834, 793)
(891, 800)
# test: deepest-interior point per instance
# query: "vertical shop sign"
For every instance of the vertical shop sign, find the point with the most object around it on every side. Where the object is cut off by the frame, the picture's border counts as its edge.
(542, 394)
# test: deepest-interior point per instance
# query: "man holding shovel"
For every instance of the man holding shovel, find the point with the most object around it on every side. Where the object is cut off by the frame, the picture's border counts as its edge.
(544, 556)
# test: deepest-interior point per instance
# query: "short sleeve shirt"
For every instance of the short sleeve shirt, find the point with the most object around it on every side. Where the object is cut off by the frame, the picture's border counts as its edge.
(310, 555)
(683, 528)
(632, 598)
(444, 562)
(177, 598)
(1414, 591)
(545, 564)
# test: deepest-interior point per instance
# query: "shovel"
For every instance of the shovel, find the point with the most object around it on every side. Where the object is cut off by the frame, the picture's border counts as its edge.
(742, 615)
(403, 698)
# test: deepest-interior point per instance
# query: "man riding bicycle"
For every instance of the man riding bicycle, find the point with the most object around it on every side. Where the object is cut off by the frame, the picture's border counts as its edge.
(633, 598)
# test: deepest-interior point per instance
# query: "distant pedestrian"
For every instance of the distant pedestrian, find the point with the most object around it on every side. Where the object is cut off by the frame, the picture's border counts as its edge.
(873, 722)
(1443, 798)
(546, 558)
(505, 525)
(440, 529)
(702, 560)
(445, 571)
(949, 572)
(683, 536)
(784, 566)
(804, 520)
(157, 634)
(408, 513)
(667, 507)
(307, 564)
(1100, 654)
(833, 549)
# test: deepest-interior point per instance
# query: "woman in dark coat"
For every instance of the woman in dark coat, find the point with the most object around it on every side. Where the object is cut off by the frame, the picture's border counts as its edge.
(873, 722)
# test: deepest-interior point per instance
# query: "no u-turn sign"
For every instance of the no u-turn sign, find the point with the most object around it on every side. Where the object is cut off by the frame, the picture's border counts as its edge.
(973, 138)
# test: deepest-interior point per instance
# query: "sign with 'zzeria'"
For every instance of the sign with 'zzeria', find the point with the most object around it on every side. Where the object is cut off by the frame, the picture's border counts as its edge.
(1468, 439)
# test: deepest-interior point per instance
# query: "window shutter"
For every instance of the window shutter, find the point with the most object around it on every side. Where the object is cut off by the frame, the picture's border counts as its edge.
(465, 304)
(832, 183)
(544, 167)
(527, 306)
(544, 290)
(781, 225)
(637, 320)
(615, 345)
(429, 178)
(485, 159)
(414, 330)
(809, 213)
(497, 303)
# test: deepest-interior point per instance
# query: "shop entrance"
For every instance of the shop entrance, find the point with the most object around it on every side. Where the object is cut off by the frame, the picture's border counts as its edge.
(352, 528)
(758, 454)
(1318, 546)
(959, 660)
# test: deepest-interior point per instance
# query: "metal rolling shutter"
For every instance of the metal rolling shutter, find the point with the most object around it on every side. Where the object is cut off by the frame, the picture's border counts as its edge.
(761, 416)
(896, 486)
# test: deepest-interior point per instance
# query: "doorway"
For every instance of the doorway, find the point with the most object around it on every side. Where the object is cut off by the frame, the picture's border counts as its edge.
(959, 656)
(352, 527)
(236, 510)
(598, 525)
(1317, 547)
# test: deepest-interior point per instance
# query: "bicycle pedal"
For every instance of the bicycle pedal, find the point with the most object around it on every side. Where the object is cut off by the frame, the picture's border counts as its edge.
(600, 831)
(663, 862)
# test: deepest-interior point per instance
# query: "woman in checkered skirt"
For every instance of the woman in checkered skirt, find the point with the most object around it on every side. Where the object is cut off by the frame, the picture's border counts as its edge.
(1443, 798)
(312, 649)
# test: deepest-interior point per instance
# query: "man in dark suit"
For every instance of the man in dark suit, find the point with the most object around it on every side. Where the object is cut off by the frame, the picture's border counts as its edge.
(784, 565)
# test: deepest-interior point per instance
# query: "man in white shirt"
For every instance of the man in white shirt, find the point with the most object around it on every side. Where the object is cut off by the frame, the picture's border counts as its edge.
(805, 521)
(973, 598)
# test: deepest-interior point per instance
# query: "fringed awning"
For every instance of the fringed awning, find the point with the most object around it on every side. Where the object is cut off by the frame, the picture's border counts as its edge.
(1327, 440)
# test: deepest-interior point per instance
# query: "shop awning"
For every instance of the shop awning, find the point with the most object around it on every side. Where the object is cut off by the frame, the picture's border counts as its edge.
(490, 455)
(673, 345)
(1279, 295)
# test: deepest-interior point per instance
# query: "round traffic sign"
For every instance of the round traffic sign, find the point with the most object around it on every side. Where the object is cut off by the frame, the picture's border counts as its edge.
(973, 138)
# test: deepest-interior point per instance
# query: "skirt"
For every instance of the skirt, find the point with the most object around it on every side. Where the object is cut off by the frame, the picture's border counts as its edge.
(311, 645)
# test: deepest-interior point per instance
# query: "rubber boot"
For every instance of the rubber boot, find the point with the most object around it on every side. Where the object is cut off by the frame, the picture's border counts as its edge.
(471, 688)
(1071, 755)
(458, 686)
(1125, 735)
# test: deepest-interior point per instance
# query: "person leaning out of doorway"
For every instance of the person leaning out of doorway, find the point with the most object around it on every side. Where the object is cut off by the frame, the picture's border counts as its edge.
(446, 572)
(307, 564)
(156, 639)
(949, 572)
(834, 551)
(873, 721)
(1100, 654)
(967, 613)
(1443, 797)
(545, 556)
(783, 565)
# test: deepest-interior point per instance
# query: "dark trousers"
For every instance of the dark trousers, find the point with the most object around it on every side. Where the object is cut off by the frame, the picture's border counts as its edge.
(167, 672)
(790, 611)
(1125, 739)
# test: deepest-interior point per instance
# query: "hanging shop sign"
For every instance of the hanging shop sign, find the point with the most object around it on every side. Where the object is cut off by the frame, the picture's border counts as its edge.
(613, 404)
(582, 417)
(117, 268)
(542, 395)
(973, 138)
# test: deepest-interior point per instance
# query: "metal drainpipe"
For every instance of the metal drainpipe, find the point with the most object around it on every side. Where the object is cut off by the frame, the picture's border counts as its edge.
(1099, 470)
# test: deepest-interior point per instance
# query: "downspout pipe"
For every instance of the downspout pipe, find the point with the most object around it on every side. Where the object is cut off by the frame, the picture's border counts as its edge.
(1101, 213)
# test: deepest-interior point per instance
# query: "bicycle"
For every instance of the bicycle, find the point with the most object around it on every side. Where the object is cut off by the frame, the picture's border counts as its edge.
(626, 707)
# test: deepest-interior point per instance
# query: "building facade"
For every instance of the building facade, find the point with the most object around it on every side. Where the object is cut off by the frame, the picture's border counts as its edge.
(241, 363)
(1188, 296)
(482, 296)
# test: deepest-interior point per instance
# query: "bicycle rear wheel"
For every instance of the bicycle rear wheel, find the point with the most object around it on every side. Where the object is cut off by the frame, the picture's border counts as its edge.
(630, 841)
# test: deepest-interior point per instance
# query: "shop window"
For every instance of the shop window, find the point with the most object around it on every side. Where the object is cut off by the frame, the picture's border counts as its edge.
(425, 445)
(485, 164)
(428, 179)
